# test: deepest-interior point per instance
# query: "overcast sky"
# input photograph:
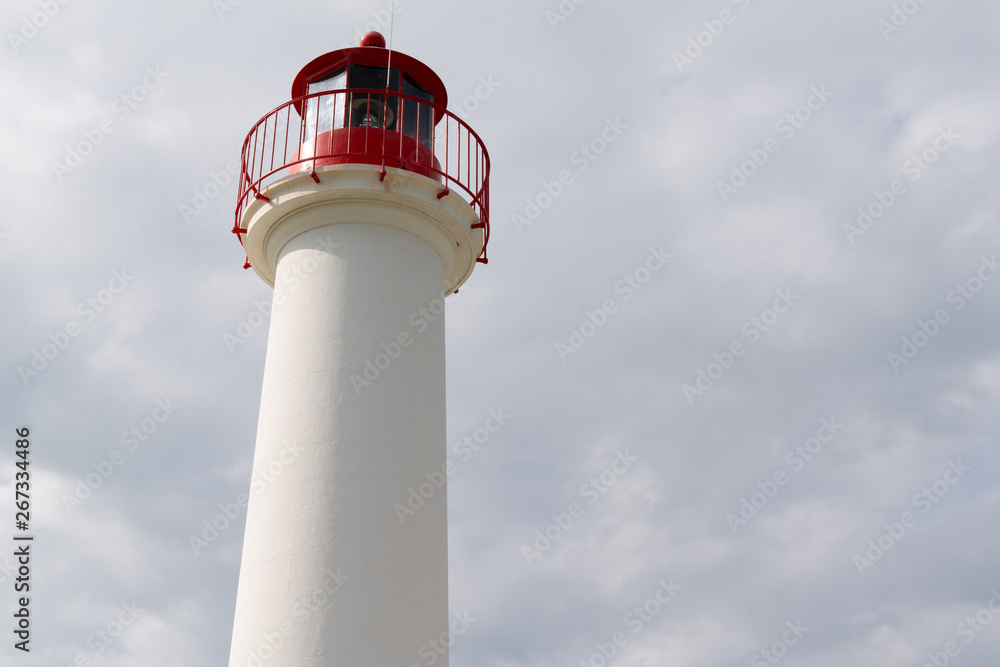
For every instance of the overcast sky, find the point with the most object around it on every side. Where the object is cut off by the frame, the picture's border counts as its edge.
(790, 406)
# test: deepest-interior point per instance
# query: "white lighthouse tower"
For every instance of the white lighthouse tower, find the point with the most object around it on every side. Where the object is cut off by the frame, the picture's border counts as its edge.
(363, 202)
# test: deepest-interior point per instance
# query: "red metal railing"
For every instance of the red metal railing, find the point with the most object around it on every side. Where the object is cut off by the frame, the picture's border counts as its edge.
(368, 127)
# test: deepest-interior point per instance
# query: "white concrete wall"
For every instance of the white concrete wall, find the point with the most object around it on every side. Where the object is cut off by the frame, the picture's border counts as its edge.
(344, 289)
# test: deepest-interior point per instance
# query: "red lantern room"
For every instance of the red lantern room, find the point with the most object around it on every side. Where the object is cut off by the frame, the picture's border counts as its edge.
(336, 121)
(367, 105)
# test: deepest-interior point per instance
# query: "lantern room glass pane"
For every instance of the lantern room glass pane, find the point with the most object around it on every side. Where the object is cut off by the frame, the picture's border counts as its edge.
(374, 78)
(324, 113)
(371, 109)
(418, 119)
(335, 81)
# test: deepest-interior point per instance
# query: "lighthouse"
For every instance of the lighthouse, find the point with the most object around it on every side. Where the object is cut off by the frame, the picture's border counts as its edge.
(364, 202)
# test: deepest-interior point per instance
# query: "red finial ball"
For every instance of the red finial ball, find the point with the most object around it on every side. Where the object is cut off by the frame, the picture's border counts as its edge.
(373, 38)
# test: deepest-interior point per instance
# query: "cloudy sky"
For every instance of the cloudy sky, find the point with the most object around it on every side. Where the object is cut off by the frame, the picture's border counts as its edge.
(750, 340)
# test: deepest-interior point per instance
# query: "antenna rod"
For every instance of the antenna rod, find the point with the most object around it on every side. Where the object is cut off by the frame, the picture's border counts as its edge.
(388, 67)
(388, 80)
